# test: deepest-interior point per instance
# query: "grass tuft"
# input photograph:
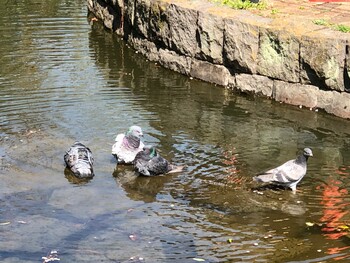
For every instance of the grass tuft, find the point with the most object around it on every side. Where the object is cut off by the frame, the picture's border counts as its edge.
(342, 28)
(338, 27)
(243, 4)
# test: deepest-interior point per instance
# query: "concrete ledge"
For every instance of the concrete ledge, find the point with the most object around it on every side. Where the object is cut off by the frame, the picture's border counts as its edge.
(298, 64)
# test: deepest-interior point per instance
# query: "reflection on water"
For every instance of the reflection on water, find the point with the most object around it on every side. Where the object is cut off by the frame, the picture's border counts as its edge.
(334, 210)
(335, 218)
(63, 79)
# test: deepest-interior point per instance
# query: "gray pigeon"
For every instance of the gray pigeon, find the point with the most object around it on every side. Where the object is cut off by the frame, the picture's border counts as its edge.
(288, 174)
(148, 162)
(79, 160)
(127, 145)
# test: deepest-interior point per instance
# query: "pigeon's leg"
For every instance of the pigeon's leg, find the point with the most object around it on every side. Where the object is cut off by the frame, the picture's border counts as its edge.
(294, 189)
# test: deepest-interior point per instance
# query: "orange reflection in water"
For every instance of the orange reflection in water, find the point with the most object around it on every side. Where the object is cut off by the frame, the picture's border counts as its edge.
(231, 161)
(334, 211)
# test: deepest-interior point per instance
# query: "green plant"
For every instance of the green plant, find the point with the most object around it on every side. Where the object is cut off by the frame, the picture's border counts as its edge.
(243, 4)
(320, 22)
(339, 27)
(342, 28)
(274, 11)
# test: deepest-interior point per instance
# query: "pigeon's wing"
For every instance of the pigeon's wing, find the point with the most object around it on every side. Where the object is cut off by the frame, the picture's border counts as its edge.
(117, 149)
(140, 164)
(89, 156)
(158, 165)
(291, 172)
(284, 174)
(142, 169)
(85, 154)
(118, 143)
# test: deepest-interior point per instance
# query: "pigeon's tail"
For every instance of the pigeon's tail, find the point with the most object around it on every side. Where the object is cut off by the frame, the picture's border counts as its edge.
(176, 169)
(264, 178)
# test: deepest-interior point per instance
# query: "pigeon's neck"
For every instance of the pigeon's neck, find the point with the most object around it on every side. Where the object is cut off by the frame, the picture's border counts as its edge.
(301, 159)
(131, 142)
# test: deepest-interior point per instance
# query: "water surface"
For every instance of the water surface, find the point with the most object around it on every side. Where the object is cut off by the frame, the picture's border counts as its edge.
(63, 78)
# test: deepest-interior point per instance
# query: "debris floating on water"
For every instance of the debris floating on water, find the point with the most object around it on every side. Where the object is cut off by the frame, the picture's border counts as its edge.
(199, 259)
(53, 256)
(133, 237)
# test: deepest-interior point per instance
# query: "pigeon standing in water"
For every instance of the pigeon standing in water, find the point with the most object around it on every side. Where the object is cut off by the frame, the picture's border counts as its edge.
(148, 162)
(79, 160)
(288, 174)
(127, 145)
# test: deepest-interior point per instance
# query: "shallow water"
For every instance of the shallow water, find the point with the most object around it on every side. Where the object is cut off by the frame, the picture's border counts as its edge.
(64, 79)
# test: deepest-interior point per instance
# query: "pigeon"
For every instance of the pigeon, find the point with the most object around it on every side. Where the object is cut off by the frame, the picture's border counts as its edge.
(79, 160)
(288, 174)
(127, 145)
(148, 162)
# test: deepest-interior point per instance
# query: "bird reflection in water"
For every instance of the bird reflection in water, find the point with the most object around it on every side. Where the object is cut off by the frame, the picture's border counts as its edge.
(335, 210)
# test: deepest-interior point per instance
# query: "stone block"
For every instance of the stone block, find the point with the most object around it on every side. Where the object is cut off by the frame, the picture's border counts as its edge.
(241, 45)
(145, 47)
(260, 85)
(338, 104)
(324, 99)
(183, 27)
(159, 31)
(175, 62)
(295, 93)
(142, 17)
(104, 12)
(322, 62)
(209, 72)
(210, 37)
(231, 84)
(278, 55)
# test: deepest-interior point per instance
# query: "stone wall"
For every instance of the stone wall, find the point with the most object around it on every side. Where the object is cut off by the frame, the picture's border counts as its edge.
(287, 61)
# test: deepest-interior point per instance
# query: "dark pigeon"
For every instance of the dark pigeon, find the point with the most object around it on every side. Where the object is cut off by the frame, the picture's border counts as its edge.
(79, 160)
(127, 145)
(148, 162)
(288, 174)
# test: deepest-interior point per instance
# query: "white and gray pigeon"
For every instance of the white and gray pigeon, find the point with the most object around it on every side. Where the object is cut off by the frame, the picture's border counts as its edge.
(288, 174)
(148, 162)
(79, 160)
(127, 145)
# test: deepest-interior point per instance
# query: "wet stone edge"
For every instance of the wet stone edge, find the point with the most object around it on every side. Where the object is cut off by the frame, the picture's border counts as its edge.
(302, 65)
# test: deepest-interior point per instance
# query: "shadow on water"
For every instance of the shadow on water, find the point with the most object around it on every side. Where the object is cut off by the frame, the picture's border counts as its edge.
(70, 80)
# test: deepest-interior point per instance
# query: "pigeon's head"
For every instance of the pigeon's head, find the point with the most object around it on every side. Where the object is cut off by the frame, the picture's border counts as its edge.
(307, 152)
(135, 131)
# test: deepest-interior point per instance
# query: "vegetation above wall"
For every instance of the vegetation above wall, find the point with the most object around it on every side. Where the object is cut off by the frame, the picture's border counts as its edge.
(243, 4)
